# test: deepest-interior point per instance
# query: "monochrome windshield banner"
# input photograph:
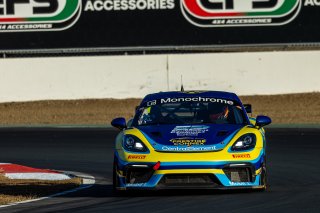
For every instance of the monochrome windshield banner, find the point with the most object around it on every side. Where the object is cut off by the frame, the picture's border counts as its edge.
(155, 24)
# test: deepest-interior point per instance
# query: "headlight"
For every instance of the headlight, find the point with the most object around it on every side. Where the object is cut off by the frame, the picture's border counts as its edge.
(133, 144)
(245, 142)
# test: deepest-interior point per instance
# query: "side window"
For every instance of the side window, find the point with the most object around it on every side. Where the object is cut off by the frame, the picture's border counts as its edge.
(145, 116)
(238, 114)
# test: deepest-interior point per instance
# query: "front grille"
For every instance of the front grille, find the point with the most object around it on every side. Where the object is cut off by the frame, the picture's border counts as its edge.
(238, 174)
(138, 175)
(188, 179)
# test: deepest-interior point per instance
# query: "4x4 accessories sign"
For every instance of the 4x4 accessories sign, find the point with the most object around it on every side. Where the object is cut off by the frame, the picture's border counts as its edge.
(221, 13)
(44, 15)
(38, 15)
(160, 25)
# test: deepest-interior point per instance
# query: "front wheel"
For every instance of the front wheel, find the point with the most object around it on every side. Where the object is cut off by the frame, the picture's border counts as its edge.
(264, 179)
(115, 179)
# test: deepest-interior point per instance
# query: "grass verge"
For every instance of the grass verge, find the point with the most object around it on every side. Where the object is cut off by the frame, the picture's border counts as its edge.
(12, 190)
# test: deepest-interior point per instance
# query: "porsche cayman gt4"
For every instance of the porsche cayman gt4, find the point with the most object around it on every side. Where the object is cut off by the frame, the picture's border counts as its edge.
(190, 140)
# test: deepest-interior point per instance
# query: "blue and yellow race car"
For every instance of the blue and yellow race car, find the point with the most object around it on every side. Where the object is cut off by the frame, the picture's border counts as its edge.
(190, 140)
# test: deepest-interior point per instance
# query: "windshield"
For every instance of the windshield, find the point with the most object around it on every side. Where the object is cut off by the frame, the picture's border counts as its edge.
(224, 112)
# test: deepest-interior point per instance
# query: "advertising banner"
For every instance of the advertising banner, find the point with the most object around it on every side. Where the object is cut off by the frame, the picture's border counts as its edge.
(155, 24)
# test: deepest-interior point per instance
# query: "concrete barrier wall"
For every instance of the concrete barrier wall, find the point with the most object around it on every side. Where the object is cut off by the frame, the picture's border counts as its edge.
(135, 76)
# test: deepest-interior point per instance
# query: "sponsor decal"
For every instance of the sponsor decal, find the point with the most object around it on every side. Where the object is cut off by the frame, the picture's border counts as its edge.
(241, 155)
(191, 99)
(136, 184)
(224, 13)
(137, 157)
(128, 5)
(239, 183)
(188, 141)
(38, 15)
(189, 149)
(182, 131)
(196, 99)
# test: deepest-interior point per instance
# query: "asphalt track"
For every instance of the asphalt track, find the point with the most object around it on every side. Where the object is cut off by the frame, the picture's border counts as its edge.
(293, 161)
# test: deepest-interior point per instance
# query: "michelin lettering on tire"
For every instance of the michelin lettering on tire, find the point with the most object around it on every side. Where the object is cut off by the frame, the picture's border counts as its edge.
(230, 13)
(38, 15)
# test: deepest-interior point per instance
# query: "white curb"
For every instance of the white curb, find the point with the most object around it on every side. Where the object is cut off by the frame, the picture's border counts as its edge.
(88, 181)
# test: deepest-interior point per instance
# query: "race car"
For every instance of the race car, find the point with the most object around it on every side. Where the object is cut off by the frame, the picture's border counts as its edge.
(190, 140)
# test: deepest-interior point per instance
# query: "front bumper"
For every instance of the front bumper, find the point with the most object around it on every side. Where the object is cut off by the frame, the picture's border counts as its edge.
(189, 175)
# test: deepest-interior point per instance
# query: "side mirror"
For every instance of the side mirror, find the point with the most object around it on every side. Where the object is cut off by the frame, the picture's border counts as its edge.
(262, 121)
(248, 108)
(119, 123)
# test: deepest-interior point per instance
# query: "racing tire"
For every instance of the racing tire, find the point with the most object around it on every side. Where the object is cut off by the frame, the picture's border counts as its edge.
(264, 176)
(115, 180)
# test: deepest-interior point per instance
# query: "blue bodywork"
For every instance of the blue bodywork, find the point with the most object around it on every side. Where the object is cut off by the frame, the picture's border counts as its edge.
(216, 136)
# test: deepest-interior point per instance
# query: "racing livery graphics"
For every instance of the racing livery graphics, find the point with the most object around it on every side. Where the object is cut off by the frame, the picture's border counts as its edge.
(190, 144)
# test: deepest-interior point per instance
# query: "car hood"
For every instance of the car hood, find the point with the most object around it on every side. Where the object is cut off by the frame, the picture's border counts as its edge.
(189, 138)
